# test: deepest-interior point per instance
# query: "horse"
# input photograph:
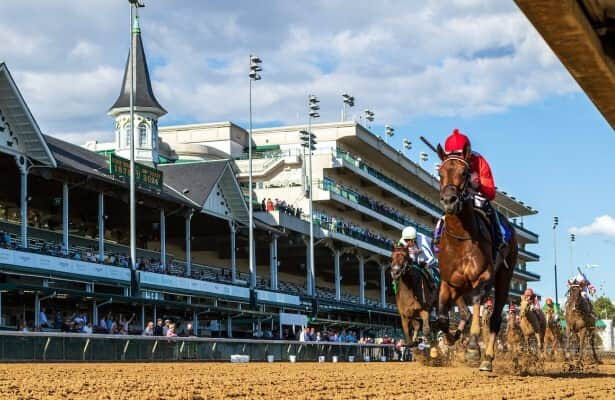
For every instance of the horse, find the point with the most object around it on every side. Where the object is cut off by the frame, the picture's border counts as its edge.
(553, 333)
(513, 334)
(413, 296)
(580, 323)
(467, 261)
(533, 325)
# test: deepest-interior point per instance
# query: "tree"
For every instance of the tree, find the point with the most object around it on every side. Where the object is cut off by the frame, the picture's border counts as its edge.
(604, 308)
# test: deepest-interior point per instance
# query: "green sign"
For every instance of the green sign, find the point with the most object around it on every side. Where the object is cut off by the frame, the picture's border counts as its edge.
(145, 176)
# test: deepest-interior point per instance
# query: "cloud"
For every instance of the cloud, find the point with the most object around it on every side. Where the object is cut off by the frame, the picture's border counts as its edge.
(403, 60)
(603, 225)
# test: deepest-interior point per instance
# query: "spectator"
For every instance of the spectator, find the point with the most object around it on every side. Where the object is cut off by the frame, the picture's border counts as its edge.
(23, 327)
(165, 329)
(171, 331)
(87, 328)
(188, 331)
(43, 319)
(124, 327)
(149, 329)
(159, 328)
(269, 205)
(312, 336)
(304, 336)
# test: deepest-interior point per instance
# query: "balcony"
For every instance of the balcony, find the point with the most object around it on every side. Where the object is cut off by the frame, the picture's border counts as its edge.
(526, 275)
(387, 183)
(364, 204)
(529, 236)
(528, 255)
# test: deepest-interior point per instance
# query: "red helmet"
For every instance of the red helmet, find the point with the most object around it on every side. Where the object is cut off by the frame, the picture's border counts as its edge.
(456, 142)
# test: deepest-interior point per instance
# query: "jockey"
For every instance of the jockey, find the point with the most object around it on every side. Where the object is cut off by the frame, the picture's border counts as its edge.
(532, 299)
(420, 253)
(551, 307)
(482, 187)
(586, 286)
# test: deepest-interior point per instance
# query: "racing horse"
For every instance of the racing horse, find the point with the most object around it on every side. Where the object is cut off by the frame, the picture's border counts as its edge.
(413, 295)
(580, 323)
(553, 333)
(468, 265)
(533, 325)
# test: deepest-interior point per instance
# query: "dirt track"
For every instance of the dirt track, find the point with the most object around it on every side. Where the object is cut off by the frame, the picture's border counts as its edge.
(294, 381)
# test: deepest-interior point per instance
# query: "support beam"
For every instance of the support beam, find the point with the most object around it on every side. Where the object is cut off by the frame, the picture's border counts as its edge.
(233, 236)
(188, 242)
(101, 227)
(65, 221)
(361, 279)
(253, 267)
(37, 311)
(338, 275)
(23, 169)
(273, 262)
(383, 289)
(310, 290)
(142, 317)
(229, 327)
(163, 240)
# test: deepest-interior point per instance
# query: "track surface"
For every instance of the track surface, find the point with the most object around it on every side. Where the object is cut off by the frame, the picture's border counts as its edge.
(389, 380)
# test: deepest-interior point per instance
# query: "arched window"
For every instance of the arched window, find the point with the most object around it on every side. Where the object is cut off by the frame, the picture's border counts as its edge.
(127, 135)
(142, 135)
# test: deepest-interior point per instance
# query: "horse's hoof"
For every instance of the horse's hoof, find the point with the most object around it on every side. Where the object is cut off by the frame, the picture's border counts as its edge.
(473, 355)
(486, 366)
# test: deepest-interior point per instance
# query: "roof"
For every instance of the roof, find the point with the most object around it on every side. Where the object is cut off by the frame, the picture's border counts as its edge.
(15, 112)
(81, 160)
(581, 33)
(144, 99)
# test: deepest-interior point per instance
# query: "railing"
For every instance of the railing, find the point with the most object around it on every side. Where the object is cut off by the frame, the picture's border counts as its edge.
(68, 347)
(328, 185)
(351, 232)
(388, 180)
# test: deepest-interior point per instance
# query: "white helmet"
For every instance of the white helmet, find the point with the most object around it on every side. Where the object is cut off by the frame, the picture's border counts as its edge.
(409, 233)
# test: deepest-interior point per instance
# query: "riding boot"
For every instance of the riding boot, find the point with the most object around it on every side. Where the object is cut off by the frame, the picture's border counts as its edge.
(437, 234)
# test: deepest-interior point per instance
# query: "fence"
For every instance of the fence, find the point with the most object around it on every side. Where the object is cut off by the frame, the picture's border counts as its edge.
(66, 347)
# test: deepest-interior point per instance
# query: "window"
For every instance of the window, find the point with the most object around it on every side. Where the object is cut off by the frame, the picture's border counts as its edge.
(142, 135)
(127, 135)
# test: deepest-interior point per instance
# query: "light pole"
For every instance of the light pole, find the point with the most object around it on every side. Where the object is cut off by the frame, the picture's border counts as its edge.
(555, 224)
(348, 101)
(369, 116)
(389, 131)
(134, 12)
(572, 240)
(423, 158)
(255, 68)
(313, 113)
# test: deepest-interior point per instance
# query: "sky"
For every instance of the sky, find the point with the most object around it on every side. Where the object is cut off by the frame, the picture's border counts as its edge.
(424, 67)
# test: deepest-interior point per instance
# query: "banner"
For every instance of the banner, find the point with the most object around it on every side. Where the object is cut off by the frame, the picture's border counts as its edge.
(145, 176)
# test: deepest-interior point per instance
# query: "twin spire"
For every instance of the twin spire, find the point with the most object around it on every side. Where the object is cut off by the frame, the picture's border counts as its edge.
(144, 99)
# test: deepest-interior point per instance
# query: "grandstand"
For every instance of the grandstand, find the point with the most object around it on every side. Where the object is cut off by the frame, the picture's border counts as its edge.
(64, 223)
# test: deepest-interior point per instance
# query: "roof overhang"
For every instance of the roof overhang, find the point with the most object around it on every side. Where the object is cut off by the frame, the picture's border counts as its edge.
(22, 122)
(582, 35)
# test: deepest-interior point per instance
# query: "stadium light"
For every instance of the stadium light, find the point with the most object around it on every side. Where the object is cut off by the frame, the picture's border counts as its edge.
(348, 101)
(309, 141)
(254, 75)
(407, 144)
(423, 157)
(369, 116)
(389, 131)
(555, 224)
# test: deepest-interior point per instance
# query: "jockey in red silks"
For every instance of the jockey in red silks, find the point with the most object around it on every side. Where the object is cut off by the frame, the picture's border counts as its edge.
(482, 188)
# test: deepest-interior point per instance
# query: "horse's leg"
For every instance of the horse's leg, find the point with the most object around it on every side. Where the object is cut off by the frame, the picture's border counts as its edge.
(592, 341)
(444, 300)
(475, 327)
(495, 322)
(405, 325)
(582, 337)
(426, 328)
(416, 326)
(464, 311)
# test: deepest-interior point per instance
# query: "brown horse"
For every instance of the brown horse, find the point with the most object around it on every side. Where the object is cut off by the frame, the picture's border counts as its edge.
(513, 334)
(580, 323)
(414, 297)
(466, 257)
(533, 325)
(553, 333)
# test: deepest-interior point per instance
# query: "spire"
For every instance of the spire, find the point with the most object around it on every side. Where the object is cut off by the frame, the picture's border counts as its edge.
(144, 99)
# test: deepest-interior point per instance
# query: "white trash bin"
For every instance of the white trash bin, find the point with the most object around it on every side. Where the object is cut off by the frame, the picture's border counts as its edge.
(383, 358)
(270, 358)
(350, 358)
(366, 359)
(292, 359)
(334, 359)
(321, 359)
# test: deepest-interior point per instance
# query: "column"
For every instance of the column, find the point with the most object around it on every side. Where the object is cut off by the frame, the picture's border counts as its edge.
(101, 227)
(233, 230)
(65, 222)
(23, 169)
(142, 317)
(195, 323)
(361, 279)
(188, 240)
(338, 276)
(383, 288)
(229, 327)
(308, 279)
(94, 313)
(163, 240)
(273, 262)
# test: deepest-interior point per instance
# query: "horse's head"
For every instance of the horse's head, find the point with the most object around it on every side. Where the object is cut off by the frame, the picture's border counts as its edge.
(574, 293)
(454, 174)
(398, 261)
(524, 307)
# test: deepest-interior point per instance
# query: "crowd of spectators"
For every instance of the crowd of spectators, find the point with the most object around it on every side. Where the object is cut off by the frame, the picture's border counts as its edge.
(276, 204)
(167, 328)
(353, 230)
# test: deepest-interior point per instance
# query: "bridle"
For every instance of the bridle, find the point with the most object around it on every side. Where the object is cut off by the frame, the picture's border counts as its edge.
(461, 190)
